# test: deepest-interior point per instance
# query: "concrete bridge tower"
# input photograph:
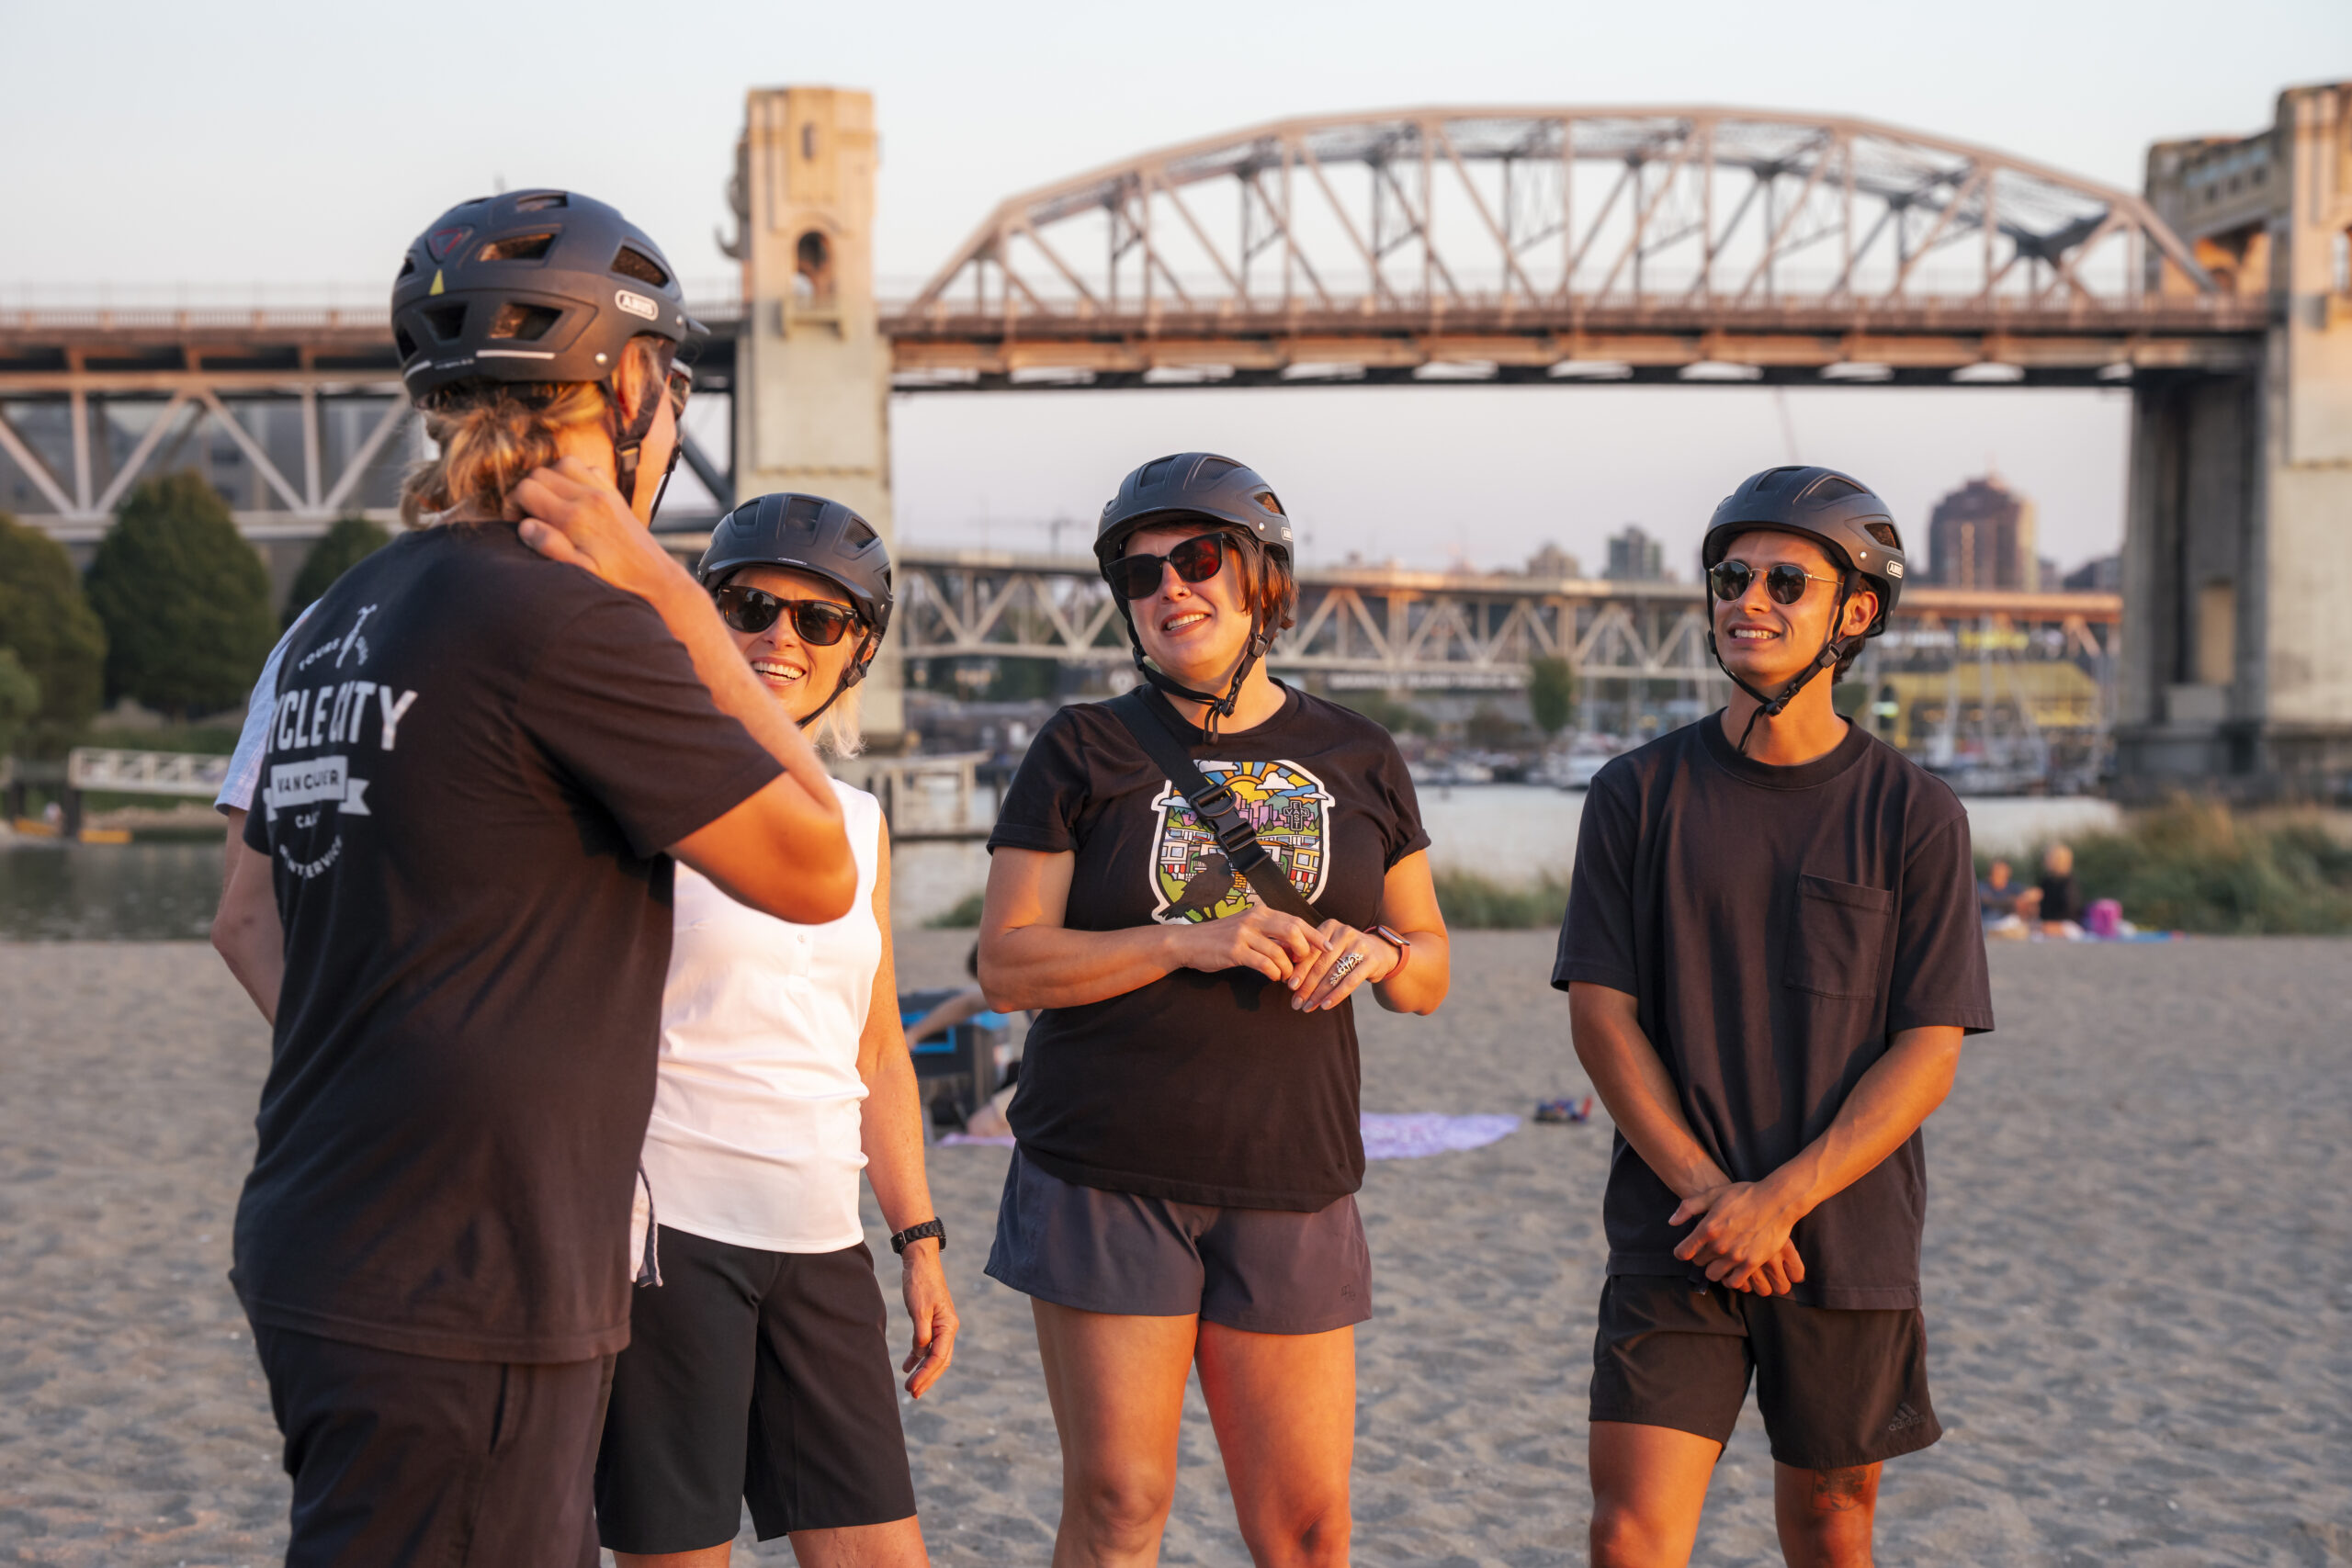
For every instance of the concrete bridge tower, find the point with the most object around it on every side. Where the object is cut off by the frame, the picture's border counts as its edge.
(2237, 669)
(812, 368)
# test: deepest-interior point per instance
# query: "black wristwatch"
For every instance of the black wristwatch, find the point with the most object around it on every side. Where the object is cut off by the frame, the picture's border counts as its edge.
(923, 1232)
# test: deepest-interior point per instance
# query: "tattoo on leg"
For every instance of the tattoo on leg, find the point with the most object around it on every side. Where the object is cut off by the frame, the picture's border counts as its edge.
(1841, 1491)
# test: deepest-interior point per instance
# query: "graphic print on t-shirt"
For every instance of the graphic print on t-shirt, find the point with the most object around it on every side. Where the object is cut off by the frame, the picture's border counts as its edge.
(314, 794)
(1288, 807)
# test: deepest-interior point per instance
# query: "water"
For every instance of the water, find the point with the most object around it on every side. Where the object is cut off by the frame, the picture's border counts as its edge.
(1512, 833)
(163, 891)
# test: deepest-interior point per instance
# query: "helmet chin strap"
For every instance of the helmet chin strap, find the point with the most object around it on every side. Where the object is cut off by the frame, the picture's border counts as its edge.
(1220, 708)
(1832, 650)
(850, 677)
(628, 443)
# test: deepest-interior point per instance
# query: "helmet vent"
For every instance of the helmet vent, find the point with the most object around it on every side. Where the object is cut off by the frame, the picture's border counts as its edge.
(1831, 487)
(1154, 472)
(1265, 498)
(447, 321)
(1884, 534)
(525, 323)
(521, 247)
(634, 262)
(405, 343)
(408, 266)
(1215, 469)
(543, 201)
(802, 512)
(858, 534)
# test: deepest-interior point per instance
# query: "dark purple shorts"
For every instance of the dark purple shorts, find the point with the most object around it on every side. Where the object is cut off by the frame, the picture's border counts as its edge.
(1260, 1271)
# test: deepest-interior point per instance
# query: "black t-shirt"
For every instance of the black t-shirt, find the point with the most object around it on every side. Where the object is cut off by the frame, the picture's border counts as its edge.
(1777, 926)
(2062, 897)
(1206, 1088)
(476, 758)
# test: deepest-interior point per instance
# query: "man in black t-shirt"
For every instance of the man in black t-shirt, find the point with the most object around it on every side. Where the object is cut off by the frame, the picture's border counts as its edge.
(453, 902)
(1772, 952)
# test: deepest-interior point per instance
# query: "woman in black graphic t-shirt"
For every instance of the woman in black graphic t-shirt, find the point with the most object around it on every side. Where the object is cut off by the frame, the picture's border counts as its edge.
(1187, 1121)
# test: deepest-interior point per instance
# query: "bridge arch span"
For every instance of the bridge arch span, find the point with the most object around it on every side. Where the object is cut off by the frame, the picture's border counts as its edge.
(1566, 222)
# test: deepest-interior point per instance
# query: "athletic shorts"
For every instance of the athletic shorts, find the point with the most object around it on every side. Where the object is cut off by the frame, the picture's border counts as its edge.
(751, 1377)
(1260, 1271)
(400, 1459)
(1837, 1388)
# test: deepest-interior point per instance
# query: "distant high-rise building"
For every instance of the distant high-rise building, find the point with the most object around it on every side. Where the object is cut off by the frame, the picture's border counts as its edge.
(1982, 535)
(1552, 561)
(2104, 575)
(1635, 556)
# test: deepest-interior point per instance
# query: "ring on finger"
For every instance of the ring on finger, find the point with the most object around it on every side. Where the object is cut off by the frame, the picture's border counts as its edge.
(1339, 970)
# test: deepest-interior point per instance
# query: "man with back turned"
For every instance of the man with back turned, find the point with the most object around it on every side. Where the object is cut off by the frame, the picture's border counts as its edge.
(454, 902)
(1772, 954)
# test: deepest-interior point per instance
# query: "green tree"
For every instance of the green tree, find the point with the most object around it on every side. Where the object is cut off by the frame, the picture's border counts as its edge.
(57, 638)
(185, 600)
(19, 698)
(349, 542)
(1551, 694)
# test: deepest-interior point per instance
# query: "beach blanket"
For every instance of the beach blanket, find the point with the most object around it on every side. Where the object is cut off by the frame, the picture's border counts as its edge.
(1412, 1135)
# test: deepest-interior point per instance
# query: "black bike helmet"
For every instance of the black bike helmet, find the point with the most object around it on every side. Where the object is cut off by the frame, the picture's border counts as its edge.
(536, 286)
(1836, 510)
(1842, 515)
(1195, 487)
(1192, 485)
(825, 538)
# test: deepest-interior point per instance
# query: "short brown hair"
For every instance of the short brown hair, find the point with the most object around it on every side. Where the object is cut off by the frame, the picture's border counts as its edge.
(1269, 587)
(492, 434)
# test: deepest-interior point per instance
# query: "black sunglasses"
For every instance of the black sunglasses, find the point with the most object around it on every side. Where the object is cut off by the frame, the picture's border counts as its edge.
(1196, 560)
(752, 610)
(1785, 583)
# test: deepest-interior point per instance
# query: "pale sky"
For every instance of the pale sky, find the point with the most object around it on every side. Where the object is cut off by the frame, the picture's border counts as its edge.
(252, 146)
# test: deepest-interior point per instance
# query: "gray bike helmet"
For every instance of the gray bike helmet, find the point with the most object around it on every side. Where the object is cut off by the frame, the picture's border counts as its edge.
(810, 534)
(536, 286)
(1195, 487)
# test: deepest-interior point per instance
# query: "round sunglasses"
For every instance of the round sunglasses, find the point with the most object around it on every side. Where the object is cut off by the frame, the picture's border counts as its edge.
(752, 610)
(1785, 583)
(1196, 560)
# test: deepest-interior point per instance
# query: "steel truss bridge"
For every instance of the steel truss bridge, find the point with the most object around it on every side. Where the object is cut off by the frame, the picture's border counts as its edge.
(1388, 627)
(1549, 244)
(1641, 243)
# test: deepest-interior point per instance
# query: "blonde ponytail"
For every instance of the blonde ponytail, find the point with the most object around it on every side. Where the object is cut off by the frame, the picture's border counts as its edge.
(491, 434)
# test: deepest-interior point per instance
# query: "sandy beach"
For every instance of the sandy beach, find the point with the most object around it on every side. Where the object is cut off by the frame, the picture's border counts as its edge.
(2138, 1278)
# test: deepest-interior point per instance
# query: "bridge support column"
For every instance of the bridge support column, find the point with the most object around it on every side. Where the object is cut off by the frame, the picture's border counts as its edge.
(812, 370)
(2237, 665)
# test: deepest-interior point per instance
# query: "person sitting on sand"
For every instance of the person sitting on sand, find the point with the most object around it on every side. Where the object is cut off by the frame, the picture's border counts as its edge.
(453, 900)
(1182, 1192)
(757, 1368)
(1772, 952)
(1996, 898)
(2058, 899)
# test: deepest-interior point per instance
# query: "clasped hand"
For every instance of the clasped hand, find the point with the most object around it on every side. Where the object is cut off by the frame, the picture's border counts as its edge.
(1742, 1238)
(1291, 952)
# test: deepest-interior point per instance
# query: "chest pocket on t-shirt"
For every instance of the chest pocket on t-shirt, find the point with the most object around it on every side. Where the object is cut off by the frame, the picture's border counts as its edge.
(1840, 930)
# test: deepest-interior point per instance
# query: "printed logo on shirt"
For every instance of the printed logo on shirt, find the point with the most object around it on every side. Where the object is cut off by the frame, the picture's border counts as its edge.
(1289, 808)
(307, 797)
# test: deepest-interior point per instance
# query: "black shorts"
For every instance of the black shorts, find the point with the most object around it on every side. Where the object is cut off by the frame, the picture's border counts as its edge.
(1260, 1271)
(751, 1377)
(400, 1459)
(1837, 1388)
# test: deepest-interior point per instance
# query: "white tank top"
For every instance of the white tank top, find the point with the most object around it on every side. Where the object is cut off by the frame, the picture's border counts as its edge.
(754, 1138)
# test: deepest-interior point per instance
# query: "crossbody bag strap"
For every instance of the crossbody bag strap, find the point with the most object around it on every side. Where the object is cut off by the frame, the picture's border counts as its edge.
(1212, 803)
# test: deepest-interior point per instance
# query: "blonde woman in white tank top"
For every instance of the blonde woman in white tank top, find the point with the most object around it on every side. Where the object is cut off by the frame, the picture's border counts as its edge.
(757, 1369)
